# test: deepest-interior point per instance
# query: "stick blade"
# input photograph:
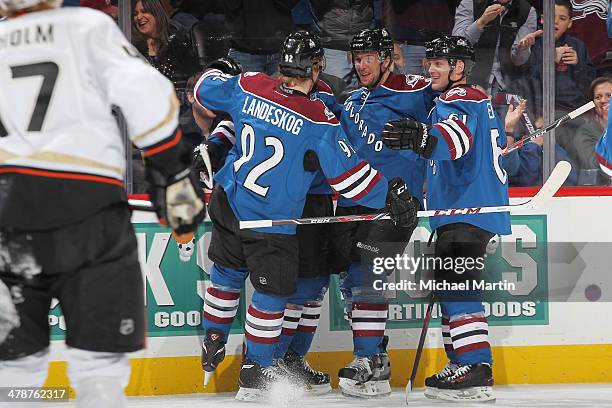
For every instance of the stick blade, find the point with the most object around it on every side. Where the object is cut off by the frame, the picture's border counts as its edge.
(555, 181)
(584, 108)
(408, 391)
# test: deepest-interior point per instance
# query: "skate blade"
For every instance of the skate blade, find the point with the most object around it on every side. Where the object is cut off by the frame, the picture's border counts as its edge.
(369, 389)
(472, 394)
(207, 376)
(317, 389)
(251, 394)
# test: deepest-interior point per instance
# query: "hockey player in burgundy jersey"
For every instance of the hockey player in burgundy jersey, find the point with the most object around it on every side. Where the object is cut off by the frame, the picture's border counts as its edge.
(283, 138)
(464, 146)
(384, 96)
(65, 229)
(303, 308)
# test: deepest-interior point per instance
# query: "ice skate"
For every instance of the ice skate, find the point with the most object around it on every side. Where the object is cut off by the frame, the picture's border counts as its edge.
(256, 381)
(385, 362)
(213, 353)
(431, 383)
(186, 250)
(315, 382)
(365, 377)
(469, 383)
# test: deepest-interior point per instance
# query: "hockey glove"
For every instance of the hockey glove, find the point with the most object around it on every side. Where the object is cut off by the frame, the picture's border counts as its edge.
(206, 161)
(402, 207)
(225, 65)
(410, 134)
(178, 201)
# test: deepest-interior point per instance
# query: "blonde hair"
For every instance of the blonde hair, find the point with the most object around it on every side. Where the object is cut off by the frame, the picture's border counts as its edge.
(293, 81)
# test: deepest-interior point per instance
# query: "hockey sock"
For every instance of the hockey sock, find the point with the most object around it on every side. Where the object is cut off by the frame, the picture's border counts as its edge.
(222, 298)
(264, 322)
(368, 325)
(306, 328)
(470, 338)
(448, 343)
(291, 321)
(220, 307)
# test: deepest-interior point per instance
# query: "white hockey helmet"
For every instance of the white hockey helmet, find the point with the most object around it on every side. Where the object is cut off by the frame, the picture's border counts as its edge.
(16, 5)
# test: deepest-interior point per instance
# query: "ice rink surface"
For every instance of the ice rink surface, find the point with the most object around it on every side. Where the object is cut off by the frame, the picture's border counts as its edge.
(565, 395)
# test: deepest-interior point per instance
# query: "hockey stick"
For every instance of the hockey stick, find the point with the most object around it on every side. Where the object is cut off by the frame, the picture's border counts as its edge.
(503, 98)
(556, 180)
(140, 205)
(573, 114)
(419, 351)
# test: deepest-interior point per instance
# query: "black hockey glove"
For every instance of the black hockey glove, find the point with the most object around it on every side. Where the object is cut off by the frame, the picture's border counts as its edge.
(226, 65)
(402, 207)
(178, 200)
(410, 134)
(206, 161)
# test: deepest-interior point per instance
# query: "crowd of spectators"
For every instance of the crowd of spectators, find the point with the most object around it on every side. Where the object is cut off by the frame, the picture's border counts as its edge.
(179, 37)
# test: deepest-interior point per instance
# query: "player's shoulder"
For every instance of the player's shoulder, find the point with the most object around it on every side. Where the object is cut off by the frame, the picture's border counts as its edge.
(270, 89)
(406, 83)
(254, 80)
(465, 93)
(320, 113)
(355, 94)
(324, 87)
(313, 109)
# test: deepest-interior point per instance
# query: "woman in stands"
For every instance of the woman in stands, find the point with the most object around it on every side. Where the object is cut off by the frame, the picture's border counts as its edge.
(166, 47)
(582, 146)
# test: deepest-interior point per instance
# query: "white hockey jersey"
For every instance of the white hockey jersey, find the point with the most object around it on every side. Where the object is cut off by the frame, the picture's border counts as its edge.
(61, 153)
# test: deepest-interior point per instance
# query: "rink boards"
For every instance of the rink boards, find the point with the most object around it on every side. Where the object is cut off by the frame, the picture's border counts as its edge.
(553, 327)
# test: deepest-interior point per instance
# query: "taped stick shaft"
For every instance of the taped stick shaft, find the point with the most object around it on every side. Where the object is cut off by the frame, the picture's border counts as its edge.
(553, 183)
(573, 114)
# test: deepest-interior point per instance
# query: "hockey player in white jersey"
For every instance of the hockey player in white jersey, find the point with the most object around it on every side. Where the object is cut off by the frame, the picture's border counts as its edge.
(65, 228)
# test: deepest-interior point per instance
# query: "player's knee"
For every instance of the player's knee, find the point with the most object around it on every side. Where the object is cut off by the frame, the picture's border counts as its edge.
(368, 294)
(266, 302)
(224, 277)
(28, 371)
(466, 246)
(457, 309)
(310, 289)
(93, 373)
